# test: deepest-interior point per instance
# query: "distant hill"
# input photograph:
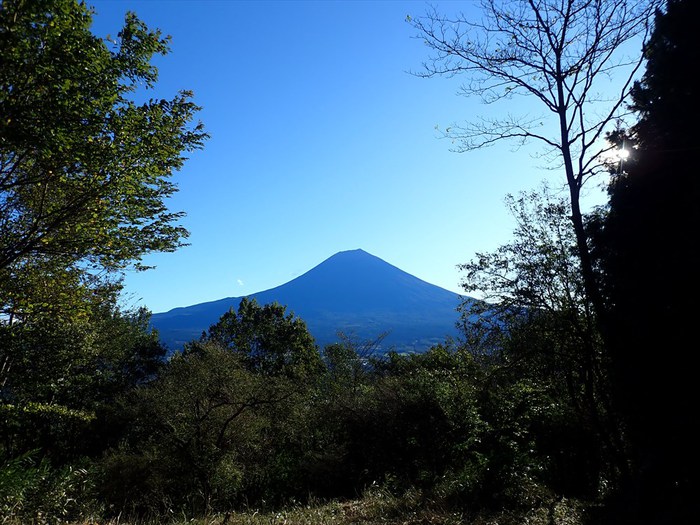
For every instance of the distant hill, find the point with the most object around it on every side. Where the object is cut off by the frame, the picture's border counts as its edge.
(352, 292)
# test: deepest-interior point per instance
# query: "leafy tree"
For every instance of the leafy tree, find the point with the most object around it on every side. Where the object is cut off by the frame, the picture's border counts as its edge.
(561, 54)
(84, 168)
(85, 172)
(270, 340)
(344, 367)
(647, 237)
(429, 413)
(538, 330)
(538, 270)
(61, 377)
(225, 420)
(199, 434)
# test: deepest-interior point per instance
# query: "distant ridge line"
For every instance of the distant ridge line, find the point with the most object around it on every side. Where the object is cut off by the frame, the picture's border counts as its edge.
(353, 292)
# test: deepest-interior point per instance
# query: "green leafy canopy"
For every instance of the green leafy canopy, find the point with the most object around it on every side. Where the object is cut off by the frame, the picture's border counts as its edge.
(85, 170)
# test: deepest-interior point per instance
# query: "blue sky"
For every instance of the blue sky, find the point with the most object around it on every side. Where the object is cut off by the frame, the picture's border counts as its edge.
(321, 141)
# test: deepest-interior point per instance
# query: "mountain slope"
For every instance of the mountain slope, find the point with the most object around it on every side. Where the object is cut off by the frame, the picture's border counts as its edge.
(352, 292)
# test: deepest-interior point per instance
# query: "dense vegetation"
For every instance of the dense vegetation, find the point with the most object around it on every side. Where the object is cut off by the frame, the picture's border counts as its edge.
(549, 408)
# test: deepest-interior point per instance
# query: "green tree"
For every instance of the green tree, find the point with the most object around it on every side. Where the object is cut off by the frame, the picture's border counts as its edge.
(224, 422)
(561, 55)
(271, 341)
(84, 169)
(199, 434)
(60, 378)
(84, 177)
(85, 173)
(536, 326)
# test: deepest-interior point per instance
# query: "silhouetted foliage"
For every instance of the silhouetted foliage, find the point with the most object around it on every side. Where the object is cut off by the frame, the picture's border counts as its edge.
(646, 242)
(538, 335)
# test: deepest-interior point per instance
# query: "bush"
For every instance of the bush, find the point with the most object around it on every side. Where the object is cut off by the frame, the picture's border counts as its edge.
(33, 491)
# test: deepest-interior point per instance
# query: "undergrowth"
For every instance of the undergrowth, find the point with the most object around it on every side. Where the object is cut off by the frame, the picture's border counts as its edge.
(376, 507)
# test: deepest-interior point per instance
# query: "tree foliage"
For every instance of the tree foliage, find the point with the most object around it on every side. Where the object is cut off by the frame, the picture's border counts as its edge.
(270, 340)
(224, 422)
(539, 268)
(60, 378)
(84, 168)
(199, 434)
(644, 244)
(560, 56)
(537, 325)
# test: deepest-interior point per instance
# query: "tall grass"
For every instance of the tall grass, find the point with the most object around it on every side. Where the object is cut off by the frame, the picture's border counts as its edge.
(376, 507)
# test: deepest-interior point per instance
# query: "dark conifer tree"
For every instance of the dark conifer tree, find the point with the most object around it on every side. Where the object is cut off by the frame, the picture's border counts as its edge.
(650, 245)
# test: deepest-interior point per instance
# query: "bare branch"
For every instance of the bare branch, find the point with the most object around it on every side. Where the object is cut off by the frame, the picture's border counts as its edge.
(538, 47)
(562, 53)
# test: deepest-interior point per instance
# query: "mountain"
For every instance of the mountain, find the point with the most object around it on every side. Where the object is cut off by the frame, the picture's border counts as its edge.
(352, 292)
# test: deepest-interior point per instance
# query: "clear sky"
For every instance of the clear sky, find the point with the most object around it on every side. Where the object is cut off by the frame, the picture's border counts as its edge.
(321, 141)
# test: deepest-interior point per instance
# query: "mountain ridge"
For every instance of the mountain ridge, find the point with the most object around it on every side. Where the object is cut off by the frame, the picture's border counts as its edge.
(353, 292)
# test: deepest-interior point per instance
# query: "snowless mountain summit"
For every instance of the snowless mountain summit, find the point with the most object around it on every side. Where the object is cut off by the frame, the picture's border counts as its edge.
(352, 292)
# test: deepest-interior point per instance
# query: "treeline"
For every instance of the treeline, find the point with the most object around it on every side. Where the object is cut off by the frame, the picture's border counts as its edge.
(252, 415)
(574, 384)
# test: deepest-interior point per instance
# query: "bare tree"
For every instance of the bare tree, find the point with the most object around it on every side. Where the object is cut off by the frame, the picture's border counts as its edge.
(560, 53)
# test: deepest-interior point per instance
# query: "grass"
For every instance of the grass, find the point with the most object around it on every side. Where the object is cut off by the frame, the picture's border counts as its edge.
(379, 508)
